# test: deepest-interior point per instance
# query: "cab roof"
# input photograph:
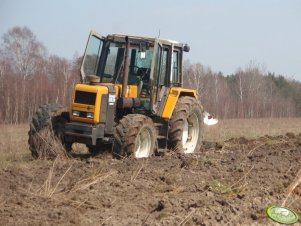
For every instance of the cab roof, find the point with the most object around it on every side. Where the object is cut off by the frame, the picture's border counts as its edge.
(146, 38)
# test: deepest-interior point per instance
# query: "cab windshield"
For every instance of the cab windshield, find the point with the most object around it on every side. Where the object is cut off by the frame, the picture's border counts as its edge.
(139, 66)
(106, 60)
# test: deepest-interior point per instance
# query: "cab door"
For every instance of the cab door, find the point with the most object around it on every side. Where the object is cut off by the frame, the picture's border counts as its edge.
(92, 55)
(160, 76)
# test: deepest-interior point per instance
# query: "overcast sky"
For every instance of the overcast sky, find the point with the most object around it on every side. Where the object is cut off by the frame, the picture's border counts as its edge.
(224, 35)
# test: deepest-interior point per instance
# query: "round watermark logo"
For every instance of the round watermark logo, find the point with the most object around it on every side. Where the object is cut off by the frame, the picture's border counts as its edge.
(282, 215)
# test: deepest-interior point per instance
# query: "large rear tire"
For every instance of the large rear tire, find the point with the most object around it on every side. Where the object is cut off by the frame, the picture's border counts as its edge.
(136, 136)
(47, 128)
(186, 126)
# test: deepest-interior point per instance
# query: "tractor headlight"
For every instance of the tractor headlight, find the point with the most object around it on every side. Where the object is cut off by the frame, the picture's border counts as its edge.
(75, 113)
(90, 115)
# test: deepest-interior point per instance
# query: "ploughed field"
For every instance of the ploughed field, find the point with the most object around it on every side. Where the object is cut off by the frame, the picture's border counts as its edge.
(243, 167)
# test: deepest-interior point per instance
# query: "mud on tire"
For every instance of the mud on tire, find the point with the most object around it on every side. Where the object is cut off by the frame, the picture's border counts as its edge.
(186, 126)
(135, 135)
(46, 133)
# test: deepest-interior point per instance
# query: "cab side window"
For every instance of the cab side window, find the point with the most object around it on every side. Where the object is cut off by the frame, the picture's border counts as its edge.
(163, 71)
(176, 64)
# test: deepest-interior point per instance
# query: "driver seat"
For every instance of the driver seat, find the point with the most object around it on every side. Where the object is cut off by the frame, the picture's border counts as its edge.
(144, 74)
(137, 81)
(140, 79)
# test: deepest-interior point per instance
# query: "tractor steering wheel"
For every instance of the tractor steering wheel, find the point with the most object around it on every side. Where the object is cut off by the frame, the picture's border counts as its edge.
(143, 73)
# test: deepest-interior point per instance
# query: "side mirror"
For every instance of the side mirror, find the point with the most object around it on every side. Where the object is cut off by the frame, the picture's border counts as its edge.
(186, 48)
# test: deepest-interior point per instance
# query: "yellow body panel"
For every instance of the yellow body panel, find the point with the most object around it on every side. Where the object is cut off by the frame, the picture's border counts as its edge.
(132, 91)
(172, 100)
(99, 90)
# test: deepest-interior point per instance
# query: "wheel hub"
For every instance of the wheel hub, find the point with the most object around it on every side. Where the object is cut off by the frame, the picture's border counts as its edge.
(143, 149)
(190, 134)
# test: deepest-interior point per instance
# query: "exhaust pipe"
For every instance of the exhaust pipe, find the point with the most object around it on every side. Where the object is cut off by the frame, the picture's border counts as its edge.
(126, 67)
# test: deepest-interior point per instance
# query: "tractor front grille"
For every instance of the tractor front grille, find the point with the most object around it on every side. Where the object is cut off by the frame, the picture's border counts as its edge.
(82, 97)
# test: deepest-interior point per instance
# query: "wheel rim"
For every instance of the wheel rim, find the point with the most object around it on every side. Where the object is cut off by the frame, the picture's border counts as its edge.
(143, 144)
(185, 132)
(191, 132)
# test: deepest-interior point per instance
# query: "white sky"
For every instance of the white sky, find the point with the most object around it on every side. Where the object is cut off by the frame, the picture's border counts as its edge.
(224, 34)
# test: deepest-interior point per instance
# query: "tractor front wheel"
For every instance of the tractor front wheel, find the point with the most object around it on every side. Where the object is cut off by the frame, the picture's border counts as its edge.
(46, 133)
(135, 135)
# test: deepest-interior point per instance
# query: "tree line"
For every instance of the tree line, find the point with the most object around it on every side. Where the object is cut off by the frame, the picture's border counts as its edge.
(248, 93)
(30, 77)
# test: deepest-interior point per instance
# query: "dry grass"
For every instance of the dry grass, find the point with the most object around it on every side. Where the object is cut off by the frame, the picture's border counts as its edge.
(140, 167)
(296, 182)
(50, 146)
(14, 147)
(90, 180)
(49, 188)
(187, 218)
(251, 128)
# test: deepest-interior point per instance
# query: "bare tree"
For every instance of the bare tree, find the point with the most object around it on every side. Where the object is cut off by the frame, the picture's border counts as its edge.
(22, 49)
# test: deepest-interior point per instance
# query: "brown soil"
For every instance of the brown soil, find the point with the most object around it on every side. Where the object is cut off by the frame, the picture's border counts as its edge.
(229, 183)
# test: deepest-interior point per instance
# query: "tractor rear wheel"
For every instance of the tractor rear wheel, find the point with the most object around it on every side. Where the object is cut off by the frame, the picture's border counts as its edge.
(46, 133)
(186, 126)
(135, 135)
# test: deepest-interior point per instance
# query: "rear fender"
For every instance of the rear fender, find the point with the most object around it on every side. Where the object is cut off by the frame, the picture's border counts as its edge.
(172, 99)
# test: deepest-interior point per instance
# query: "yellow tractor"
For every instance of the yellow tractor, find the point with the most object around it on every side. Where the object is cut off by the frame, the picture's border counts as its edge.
(130, 96)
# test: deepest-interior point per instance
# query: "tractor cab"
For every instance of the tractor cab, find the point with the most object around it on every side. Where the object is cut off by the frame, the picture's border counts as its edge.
(147, 66)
